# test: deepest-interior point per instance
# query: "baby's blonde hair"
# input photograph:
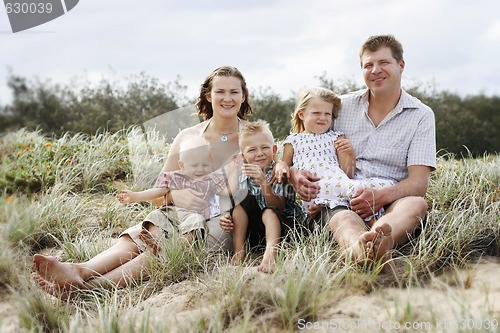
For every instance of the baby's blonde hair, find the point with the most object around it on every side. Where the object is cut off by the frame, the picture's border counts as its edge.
(256, 127)
(192, 144)
(305, 97)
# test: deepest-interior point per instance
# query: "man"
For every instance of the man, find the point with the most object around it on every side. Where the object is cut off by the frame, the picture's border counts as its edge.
(393, 135)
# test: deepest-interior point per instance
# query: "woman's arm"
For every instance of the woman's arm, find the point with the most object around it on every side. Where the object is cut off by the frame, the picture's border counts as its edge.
(346, 156)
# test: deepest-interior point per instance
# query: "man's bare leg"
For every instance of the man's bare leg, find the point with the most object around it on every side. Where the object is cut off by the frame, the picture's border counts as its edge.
(349, 231)
(128, 274)
(403, 216)
(401, 219)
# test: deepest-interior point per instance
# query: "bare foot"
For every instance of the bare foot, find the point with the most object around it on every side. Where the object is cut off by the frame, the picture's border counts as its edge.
(362, 252)
(383, 248)
(269, 260)
(238, 257)
(64, 294)
(61, 274)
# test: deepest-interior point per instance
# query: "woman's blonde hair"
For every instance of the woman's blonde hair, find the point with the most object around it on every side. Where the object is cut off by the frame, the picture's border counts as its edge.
(305, 97)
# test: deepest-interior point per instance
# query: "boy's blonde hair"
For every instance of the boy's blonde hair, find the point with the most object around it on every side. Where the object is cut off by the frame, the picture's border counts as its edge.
(305, 97)
(256, 127)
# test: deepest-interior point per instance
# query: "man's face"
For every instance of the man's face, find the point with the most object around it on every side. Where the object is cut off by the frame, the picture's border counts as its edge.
(382, 73)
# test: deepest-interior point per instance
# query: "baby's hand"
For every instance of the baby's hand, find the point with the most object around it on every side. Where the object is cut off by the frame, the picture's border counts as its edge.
(226, 222)
(125, 196)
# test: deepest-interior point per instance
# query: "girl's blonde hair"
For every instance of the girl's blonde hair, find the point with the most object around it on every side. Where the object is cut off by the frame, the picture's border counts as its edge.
(305, 97)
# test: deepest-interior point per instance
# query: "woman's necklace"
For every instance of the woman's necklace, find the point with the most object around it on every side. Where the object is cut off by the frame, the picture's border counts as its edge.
(223, 136)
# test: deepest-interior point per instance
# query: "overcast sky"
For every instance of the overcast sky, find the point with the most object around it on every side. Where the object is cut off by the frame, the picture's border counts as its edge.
(282, 44)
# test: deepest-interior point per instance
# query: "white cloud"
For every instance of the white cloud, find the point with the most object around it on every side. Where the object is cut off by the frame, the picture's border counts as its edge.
(281, 44)
(492, 34)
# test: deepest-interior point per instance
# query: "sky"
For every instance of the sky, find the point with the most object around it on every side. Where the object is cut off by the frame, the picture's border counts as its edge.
(282, 45)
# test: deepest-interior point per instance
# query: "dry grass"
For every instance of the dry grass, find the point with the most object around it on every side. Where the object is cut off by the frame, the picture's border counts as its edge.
(72, 214)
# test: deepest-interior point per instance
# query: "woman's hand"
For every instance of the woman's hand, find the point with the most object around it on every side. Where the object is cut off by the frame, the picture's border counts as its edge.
(226, 222)
(189, 199)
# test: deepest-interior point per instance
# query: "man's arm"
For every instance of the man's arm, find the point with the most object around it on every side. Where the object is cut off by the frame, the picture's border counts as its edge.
(370, 200)
(304, 183)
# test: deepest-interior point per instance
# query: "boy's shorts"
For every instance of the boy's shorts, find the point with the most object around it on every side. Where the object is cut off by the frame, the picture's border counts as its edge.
(256, 231)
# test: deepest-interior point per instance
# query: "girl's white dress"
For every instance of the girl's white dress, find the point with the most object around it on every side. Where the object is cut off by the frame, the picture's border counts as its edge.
(316, 153)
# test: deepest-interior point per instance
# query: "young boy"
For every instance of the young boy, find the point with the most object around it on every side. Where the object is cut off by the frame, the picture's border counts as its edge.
(195, 173)
(272, 206)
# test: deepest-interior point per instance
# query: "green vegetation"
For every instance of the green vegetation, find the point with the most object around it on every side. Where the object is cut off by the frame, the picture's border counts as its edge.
(465, 126)
(58, 198)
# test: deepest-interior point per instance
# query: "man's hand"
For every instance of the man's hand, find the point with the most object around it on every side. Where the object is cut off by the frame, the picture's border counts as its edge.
(303, 182)
(365, 202)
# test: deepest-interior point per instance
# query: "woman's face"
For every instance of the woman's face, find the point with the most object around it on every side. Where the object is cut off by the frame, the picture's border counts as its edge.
(226, 96)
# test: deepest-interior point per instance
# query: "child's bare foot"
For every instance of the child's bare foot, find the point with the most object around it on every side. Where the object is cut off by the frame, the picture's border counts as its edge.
(61, 274)
(151, 241)
(238, 257)
(383, 248)
(268, 261)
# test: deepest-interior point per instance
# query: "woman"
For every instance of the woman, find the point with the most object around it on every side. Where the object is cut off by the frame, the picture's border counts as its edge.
(223, 103)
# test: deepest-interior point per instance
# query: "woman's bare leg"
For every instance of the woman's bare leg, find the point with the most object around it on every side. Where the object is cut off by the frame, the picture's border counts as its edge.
(75, 274)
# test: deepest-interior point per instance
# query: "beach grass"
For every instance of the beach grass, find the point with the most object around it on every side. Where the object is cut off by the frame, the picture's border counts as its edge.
(57, 198)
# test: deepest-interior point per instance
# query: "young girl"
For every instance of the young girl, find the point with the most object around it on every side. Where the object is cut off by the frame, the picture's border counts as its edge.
(326, 153)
